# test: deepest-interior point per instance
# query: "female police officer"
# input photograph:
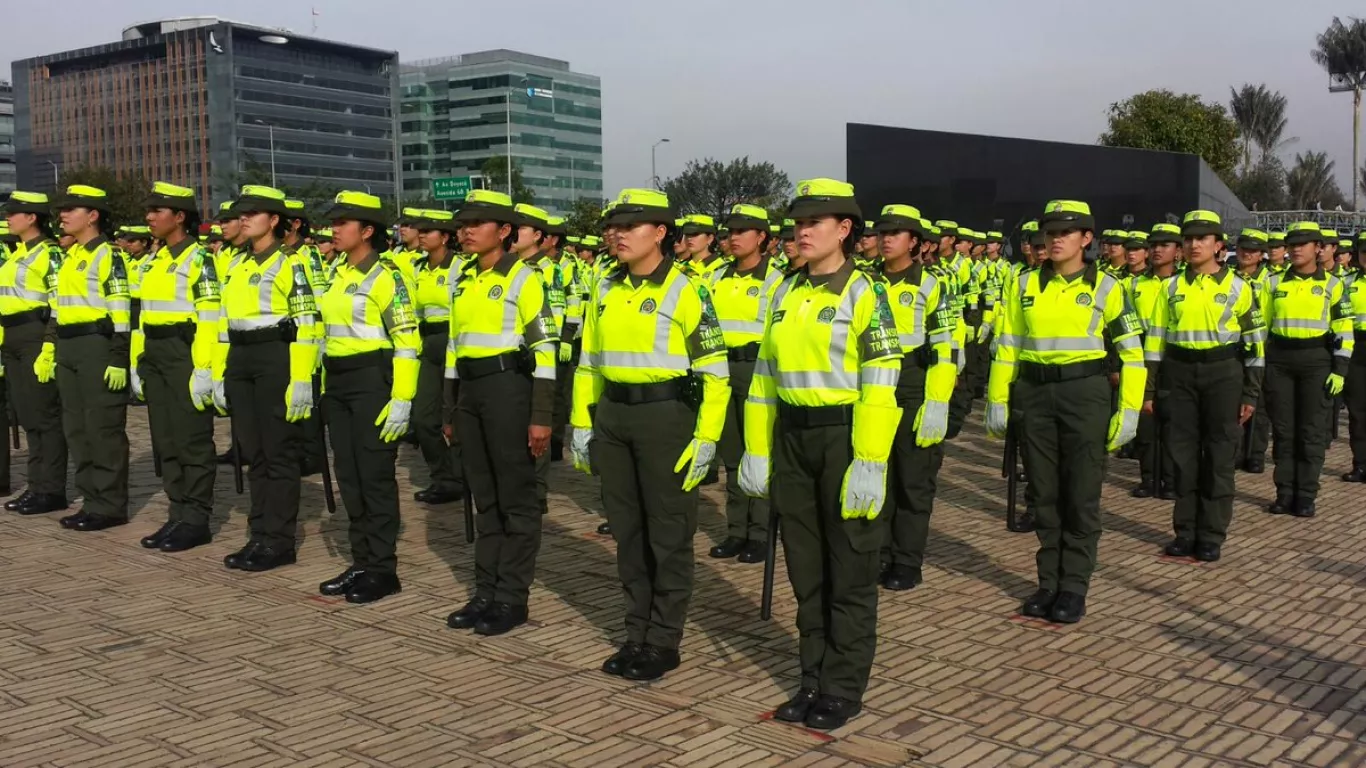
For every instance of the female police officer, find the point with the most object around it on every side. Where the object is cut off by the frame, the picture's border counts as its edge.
(823, 408)
(654, 368)
(432, 302)
(1057, 321)
(371, 377)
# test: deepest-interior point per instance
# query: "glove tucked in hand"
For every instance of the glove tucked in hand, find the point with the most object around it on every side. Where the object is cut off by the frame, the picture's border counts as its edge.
(135, 382)
(864, 489)
(983, 331)
(754, 475)
(394, 419)
(578, 448)
(45, 367)
(931, 423)
(298, 401)
(220, 397)
(116, 379)
(1333, 386)
(201, 388)
(1123, 428)
(998, 418)
(566, 352)
(697, 458)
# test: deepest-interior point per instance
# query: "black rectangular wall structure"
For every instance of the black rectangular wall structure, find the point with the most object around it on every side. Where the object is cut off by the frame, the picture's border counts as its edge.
(977, 180)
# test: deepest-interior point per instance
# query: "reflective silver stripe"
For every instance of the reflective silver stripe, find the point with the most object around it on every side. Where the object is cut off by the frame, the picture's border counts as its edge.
(1135, 364)
(306, 320)
(1203, 337)
(1255, 362)
(488, 340)
(255, 323)
(167, 305)
(910, 341)
(434, 313)
(266, 289)
(1285, 323)
(643, 360)
(92, 276)
(719, 367)
(1361, 318)
(817, 380)
(1236, 292)
(1104, 288)
(1064, 344)
(366, 332)
(15, 292)
(405, 354)
(761, 400)
(209, 315)
(878, 376)
(1009, 340)
(546, 372)
(1157, 332)
(1127, 343)
(742, 326)
(1343, 340)
(510, 296)
(1255, 336)
(1152, 357)
(78, 301)
(773, 277)
(359, 300)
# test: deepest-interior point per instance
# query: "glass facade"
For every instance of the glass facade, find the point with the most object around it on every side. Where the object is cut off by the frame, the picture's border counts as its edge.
(458, 113)
(8, 172)
(207, 103)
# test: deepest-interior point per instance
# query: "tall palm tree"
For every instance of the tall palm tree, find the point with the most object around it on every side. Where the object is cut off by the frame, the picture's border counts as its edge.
(1342, 52)
(1311, 181)
(1260, 115)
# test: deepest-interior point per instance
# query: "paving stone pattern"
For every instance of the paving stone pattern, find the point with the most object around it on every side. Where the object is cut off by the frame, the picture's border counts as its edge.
(111, 655)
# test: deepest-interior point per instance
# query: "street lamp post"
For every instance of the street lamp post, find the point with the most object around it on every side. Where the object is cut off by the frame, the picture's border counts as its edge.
(56, 185)
(654, 176)
(271, 130)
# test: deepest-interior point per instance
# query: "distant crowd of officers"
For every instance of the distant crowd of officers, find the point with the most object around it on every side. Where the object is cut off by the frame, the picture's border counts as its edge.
(821, 360)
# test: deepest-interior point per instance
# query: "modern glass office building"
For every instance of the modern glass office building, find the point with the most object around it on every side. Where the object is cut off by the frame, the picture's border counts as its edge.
(459, 112)
(207, 103)
(7, 169)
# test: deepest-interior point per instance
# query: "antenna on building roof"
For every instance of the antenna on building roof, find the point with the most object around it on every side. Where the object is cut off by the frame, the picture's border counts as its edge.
(315, 14)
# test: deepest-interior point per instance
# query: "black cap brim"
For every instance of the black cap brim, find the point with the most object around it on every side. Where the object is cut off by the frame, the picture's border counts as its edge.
(480, 211)
(627, 215)
(1251, 244)
(344, 212)
(93, 203)
(21, 206)
(1299, 238)
(1063, 221)
(186, 204)
(736, 222)
(815, 207)
(898, 224)
(252, 204)
(1201, 229)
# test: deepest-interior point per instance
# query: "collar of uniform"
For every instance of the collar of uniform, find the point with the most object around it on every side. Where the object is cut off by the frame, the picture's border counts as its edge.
(904, 276)
(423, 265)
(94, 243)
(658, 276)
(290, 250)
(760, 269)
(366, 265)
(1046, 274)
(836, 281)
(176, 250)
(1217, 275)
(271, 249)
(503, 266)
(1317, 274)
(31, 244)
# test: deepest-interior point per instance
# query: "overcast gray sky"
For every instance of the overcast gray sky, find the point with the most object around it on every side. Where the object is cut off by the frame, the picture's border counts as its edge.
(778, 80)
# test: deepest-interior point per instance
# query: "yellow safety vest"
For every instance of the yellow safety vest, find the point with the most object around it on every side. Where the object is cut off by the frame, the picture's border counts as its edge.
(923, 317)
(367, 309)
(650, 329)
(742, 300)
(265, 291)
(1299, 306)
(433, 290)
(180, 285)
(1205, 312)
(26, 277)
(92, 285)
(499, 310)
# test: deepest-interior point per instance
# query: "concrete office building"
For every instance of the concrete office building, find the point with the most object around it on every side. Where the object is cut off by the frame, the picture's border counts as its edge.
(7, 169)
(202, 102)
(455, 116)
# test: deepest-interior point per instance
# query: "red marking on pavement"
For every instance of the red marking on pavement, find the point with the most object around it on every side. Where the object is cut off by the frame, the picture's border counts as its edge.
(820, 736)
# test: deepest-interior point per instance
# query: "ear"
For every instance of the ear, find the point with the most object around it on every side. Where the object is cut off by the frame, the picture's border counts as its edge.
(1087, 238)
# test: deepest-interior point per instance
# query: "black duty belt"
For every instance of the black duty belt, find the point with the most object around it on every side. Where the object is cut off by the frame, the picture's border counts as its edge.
(639, 394)
(470, 368)
(283, 332)
(1209, 355)
(183, 330)
(921, 357)
(379, 358)
(102, 327)
(804, 417)
(743, 354)
(433, 327)
(1317, 342)
(1360, 338)
(37, 315)
(1043, 373)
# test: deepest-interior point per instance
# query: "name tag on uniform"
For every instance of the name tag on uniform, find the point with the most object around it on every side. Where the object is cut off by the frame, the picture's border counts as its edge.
(1027, 302)
(778, 315)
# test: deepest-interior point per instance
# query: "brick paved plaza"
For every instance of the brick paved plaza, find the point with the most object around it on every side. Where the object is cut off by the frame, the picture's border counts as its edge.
(111, 655)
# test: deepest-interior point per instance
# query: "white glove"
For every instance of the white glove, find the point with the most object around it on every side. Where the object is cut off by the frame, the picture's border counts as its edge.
(578, 448)
(135, 381)
(201, 388)
(997, 419)
(220, 397)
(1123, 428)
(696, 458)
(754, 475)
(865, 489)
(983, 331)
(394, 419)
(298, 401)
(931, 423)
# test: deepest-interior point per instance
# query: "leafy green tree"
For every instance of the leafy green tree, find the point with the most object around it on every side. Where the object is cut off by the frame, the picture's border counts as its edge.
(495, 171)
(711, 187)
(1262, 186)
(1260, 115)
(127, 194)
(1162, 120)
(583, 216)
(1342, 52)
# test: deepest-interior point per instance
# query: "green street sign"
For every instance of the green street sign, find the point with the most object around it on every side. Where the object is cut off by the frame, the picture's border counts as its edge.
(453, 188)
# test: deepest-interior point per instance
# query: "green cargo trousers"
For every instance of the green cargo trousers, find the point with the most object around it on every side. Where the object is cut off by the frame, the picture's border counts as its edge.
(832, 563)
(1202, 405)
(356, 394)
(1066, 424)
(746, 516)
(38, 407)
(634, 450)
(182, 435)
(94, 420)
(443, 459)
(1301, 411)
(912, 477)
